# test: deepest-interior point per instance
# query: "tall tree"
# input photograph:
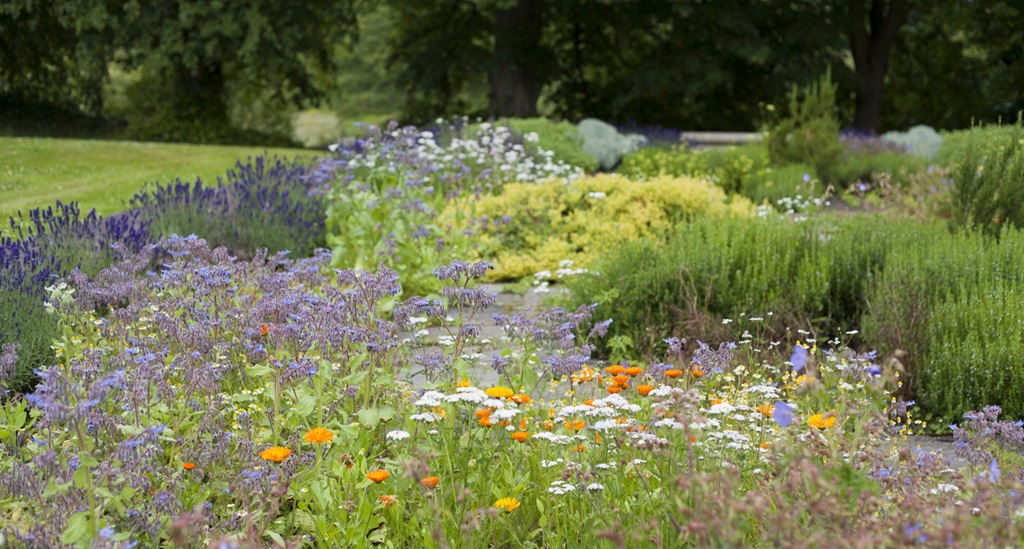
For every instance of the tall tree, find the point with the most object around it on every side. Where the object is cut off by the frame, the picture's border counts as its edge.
(517, 70)
(872, 31)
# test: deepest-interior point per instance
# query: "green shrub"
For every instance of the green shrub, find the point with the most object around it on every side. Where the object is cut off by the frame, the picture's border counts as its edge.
(745, 170)
(988, 190)
(854, 167)
(811, 275)
(810, 134)
(956, 144)
(534, 227)
(603, 142)
(561, 138)
(921, 141)
(950, 311)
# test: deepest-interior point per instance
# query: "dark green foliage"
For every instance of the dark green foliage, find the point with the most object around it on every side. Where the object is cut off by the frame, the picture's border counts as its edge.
(988, 190)
(772, 183)
(811, 275)
(810, 133)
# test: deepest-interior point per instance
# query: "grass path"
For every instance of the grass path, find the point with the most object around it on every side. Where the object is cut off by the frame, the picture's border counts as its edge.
(35, 172)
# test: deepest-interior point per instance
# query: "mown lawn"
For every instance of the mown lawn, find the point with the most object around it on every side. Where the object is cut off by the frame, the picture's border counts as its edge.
(35, 172)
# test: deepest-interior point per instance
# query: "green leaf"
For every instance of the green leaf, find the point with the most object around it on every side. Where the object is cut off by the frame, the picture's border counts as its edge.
(77, 532)
(257, 370)
(540, 507)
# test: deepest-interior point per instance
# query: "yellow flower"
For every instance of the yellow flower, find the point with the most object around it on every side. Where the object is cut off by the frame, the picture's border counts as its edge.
(507, 504)
(464, 383)
(275, 453)
(499, 392)
(821, 422)
(318, 435)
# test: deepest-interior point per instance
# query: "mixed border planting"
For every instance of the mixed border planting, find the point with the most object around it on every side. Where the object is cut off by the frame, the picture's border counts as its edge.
(746, 342)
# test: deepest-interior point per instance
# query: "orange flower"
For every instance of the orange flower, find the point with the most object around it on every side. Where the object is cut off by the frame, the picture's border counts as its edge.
(388, 500)
(766, 410)
(575, 424)
(275, 453)
(485, 421)
(486, 412)
(318, 435)
(597, 438)
(520, 398)
(378, 476)
(523, 424)
(717, 401)
(633, 371)
(821, 422)
(189, 465)
(697, 371)
(499, 392)
(673, 373)
(263, 330)
(693, 439)
(614, 389)
(622, 380)
(581, 448)
(521, 436)
(429, 482)
(614, 369)
(588, 402)
(548, 425)
(765, 445)
(644, 389)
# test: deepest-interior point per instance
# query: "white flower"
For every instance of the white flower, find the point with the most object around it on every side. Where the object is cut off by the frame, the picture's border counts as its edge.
(421, 333)
(547, 464)
(446, 340)
(557, 439)
(661, 391)
(426, 417)
(668, 422)
(397, 435)
(430, 398)
(560, 487)
(606, 425)
(606, 466)
(944, 488)
(417, 319)
(504, 413)
(595, 487)
(722, 408)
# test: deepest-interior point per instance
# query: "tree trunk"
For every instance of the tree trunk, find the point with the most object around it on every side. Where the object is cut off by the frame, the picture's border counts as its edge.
(515, 78)
(871, 47)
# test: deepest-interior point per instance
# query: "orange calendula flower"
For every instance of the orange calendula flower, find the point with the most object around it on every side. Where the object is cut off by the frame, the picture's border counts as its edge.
(521, 436)
(588, 402)
(264, 329)
(597, 438)
(821, 422)
(318, 435)
(575, 424)
(765, 445)
(633, 371)
(717, 401)
(614, 389)
(429, 482)
(622, 380)
(485, 421)
(697, 371)
(644, 389)
(693, 439)
(499, 392)
(766, 410)
(378, 476)
(507, 504)
(276, 453)
(388, 500)
(486, 412)
(673, 373)
(614, 369)
(523, 424)
(189, 466)
(548, 425)
(581, 448)
(520, 398)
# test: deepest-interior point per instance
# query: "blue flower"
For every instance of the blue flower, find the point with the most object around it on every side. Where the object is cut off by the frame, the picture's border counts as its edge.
(799, 358)
(783, 414)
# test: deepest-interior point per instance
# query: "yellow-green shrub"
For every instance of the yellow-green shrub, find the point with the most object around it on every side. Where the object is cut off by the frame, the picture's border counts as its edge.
(533, 227)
